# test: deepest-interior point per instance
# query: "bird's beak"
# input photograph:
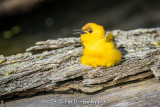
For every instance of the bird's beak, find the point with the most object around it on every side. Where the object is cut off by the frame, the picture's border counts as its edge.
(79, 31)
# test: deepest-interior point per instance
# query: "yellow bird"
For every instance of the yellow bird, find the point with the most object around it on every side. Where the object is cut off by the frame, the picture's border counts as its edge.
(99, 49)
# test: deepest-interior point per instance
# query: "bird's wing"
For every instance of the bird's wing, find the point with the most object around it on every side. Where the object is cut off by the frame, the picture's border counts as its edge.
(110, 37)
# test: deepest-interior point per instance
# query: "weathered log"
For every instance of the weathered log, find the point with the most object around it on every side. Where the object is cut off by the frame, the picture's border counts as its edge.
(54, 65)
(139, 94)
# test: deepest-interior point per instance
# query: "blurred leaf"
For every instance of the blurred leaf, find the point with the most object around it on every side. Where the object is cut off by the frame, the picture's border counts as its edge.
(7, 34)
(16, 29)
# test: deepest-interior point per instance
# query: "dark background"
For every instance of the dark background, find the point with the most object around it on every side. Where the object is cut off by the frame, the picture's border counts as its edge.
(51, 19)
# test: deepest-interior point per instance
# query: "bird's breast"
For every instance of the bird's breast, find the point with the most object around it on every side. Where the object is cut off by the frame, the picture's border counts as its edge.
(98, 48)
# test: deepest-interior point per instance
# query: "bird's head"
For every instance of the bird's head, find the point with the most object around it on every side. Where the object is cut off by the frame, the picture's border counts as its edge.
(91, 31)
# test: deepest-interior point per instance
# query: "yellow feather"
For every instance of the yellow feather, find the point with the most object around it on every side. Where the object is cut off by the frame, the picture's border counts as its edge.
(98, 50)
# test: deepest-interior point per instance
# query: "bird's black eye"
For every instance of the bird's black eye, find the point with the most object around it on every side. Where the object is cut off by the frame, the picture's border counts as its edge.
(90, 30)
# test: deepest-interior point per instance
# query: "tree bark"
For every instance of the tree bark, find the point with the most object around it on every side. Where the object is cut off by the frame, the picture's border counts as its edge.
(54, 65)
(139, 94)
